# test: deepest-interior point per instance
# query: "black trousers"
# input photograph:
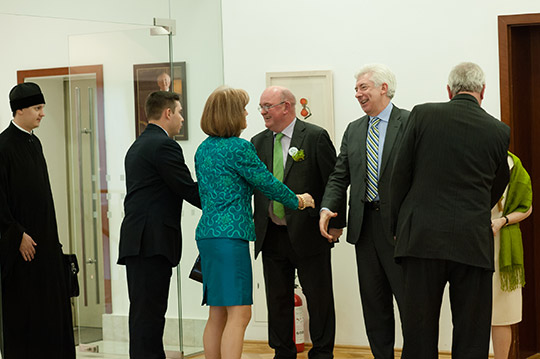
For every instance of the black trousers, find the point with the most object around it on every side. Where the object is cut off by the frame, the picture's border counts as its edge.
(148, 280)
(380, 280)
(470, 301)
(315, 275)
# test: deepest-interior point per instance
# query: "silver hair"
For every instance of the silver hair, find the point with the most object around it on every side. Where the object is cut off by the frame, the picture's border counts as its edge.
(380, 74)
(466, 76)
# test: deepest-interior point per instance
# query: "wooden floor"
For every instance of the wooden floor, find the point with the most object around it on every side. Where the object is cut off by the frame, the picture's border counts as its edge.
(261, 350)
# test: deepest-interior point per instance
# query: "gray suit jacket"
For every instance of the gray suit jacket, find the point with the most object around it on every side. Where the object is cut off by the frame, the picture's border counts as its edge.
(350, 170)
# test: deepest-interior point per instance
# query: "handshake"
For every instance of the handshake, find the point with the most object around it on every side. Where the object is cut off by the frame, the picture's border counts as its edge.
(332, 234)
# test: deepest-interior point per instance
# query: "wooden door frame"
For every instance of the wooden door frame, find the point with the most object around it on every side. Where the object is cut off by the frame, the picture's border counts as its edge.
(506, 24)
(96, 70)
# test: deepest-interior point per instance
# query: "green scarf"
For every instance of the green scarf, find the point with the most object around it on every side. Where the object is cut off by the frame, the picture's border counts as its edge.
(518, 199)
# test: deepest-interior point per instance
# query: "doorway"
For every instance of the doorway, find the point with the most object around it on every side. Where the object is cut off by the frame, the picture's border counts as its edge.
(71, 135)
(519, 59)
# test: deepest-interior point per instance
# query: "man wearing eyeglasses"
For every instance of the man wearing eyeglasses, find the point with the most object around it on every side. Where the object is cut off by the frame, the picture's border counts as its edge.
(302, 156)
(365, 162)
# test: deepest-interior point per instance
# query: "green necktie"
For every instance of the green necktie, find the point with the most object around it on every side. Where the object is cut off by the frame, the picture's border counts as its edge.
(279, 210)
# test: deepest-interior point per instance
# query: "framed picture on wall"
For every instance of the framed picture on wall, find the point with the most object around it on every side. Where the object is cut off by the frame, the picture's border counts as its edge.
(314, 95)
(155, 77)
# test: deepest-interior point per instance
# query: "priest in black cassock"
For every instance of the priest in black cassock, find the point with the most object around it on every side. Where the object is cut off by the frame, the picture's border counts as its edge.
(36, 308)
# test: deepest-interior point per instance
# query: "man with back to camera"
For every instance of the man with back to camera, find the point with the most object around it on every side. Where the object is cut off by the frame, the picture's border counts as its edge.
(449, 173)
(368, 149)
(36, 308)
(158, 181)
(302, 156)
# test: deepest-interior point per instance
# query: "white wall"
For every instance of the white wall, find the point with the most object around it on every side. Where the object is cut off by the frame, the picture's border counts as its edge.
(118, 11)
(420, 40)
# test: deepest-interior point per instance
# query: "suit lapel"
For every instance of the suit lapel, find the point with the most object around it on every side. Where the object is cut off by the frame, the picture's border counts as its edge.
(296, 141)
(266, 152)
(362, 138)
(356, 143)
(391, 133)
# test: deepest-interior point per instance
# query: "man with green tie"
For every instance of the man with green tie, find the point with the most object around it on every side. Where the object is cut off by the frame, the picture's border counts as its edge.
(302, 156)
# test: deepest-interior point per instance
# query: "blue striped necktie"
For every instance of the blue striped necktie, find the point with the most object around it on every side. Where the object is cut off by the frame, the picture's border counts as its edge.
(372, 152)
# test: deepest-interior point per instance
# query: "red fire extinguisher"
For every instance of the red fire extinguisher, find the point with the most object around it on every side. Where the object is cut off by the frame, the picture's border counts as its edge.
(298, 334)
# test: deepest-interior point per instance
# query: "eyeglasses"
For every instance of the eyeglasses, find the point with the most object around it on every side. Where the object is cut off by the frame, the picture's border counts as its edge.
(268, 107)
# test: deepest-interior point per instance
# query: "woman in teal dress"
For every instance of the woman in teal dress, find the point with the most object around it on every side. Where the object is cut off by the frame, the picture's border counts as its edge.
(228, 170)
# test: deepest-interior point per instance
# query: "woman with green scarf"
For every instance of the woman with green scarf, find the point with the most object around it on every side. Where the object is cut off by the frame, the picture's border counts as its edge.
(514, 206)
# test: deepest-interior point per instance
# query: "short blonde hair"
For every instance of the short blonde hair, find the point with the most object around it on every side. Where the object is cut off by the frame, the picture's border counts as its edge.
(224, 112)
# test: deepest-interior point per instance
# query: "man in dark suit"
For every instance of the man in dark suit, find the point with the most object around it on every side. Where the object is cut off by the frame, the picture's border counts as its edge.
(289, 239)
(450, 171)
(157, 182)
(365, 162)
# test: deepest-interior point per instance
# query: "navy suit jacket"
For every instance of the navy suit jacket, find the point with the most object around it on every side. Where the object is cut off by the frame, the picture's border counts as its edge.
(158, 181)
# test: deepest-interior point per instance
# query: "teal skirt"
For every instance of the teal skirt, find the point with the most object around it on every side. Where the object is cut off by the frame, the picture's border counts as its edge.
(226, 271)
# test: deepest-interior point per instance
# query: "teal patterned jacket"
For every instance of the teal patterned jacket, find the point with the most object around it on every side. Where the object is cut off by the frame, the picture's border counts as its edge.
(228, 169)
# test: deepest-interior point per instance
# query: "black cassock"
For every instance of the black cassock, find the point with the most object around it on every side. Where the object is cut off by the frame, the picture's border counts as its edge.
(35, 304)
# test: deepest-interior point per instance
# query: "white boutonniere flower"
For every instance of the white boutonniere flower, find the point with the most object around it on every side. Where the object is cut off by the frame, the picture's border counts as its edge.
(296, 154)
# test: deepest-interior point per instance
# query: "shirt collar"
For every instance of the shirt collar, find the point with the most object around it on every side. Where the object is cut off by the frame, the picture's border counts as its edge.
(385, 114)
(22, 129)
(288, 131)
(155, 124)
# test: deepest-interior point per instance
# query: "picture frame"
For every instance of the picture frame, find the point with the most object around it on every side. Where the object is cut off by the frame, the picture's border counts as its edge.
(148, 78)
(314, 94)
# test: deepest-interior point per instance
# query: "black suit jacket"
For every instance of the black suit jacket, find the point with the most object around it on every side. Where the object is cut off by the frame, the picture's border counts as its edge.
(350, 170)
(157, 182)
(443, 188)
(309, 175)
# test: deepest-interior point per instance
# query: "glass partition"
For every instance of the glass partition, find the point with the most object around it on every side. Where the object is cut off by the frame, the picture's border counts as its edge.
(110, 75)
(197, 44)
